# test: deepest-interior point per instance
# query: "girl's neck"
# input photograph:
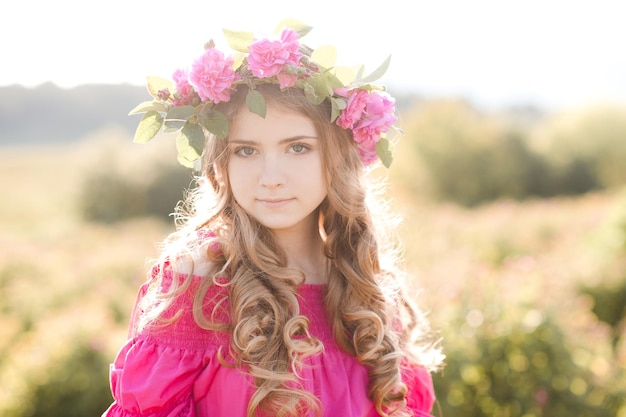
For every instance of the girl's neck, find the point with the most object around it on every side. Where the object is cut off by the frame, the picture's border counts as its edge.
(305, 252)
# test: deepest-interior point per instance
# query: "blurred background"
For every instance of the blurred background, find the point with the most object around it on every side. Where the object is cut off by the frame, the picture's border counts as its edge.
(511, 177)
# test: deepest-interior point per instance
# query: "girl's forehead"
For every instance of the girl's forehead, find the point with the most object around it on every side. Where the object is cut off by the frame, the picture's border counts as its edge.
(279, 123)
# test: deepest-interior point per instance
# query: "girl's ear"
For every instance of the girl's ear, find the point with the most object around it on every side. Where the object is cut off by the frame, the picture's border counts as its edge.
(216, 170)
(219, 175)
(215, 176)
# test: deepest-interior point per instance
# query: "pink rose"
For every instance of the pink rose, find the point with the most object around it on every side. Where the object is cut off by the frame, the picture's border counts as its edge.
(367, 152)
(269, 58)
(184, 90)
(341, 91)
(378, 117)
(212, 75)
(357, 101)
(286, 80)
(368, 115)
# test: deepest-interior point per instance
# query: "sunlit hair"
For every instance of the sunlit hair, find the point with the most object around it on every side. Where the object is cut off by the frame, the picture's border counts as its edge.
(364, 299)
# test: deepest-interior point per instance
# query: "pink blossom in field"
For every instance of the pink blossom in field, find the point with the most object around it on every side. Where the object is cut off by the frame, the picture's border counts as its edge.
(269, 58)
(184, 90)
(212, 75)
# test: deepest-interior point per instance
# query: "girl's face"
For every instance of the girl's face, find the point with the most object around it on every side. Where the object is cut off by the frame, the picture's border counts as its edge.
(275, 168)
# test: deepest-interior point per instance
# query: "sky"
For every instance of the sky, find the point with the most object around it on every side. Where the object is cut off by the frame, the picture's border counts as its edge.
(546, 53)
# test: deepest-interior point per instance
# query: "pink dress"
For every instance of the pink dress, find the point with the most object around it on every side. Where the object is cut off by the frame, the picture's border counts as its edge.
(174, 371)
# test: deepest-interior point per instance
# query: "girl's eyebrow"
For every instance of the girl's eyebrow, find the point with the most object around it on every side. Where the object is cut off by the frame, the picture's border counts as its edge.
(281, 142)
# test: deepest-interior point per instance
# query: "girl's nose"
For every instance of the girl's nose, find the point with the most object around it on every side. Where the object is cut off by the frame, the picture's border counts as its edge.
(272, 174)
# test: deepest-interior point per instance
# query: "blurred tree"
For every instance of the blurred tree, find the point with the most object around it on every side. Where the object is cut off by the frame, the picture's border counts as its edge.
(109, 193)
(471, 158)
(463, 155)
(76, 386)
(587, 146)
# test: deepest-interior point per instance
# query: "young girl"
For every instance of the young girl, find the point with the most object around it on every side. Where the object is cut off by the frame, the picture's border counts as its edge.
(278, 295)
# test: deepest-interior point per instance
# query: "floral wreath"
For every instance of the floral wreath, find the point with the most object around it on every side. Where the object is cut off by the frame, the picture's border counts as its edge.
(186, 104)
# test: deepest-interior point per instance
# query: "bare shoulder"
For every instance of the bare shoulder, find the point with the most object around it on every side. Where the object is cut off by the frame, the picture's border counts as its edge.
(194, 262)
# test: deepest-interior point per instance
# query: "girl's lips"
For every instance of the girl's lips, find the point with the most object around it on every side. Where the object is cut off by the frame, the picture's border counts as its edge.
(275, 202)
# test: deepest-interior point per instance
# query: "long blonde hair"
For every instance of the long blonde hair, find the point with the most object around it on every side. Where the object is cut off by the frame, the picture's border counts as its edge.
(269, 336)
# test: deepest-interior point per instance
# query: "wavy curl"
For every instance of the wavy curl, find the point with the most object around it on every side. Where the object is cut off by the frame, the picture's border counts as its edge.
(269, 336)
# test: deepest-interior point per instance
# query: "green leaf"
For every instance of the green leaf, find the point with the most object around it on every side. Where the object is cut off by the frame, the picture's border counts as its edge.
(338, 104)
(171, 126)
(238, 41)
(194, 135)
(215, 122)
(156, 84)
(147, 106)
(256, 103)
(332, 81)
(325, 56)
(181, 113)
(184, 162)
(176, 118)
(359, 72)
(379, 72)
(345, 75)
(384, 150)
(238, 60)
(190, 144)
(295, 25)
(318, 87)
(148, 127)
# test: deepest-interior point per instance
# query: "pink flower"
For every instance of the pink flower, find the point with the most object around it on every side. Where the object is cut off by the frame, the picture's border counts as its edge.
(341, 91)
(164, 94)
(212, 75)
(184, 90)
(286, 80)
(357, 101)
(377, 117)
(368, 115)
(367, 152)
(269, 58)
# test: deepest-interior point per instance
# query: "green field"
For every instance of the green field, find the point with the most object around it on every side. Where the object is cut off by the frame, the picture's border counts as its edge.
(67, 286)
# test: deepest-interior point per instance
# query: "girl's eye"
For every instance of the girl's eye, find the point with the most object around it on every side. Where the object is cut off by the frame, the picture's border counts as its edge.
(245, 151)
(299, 148)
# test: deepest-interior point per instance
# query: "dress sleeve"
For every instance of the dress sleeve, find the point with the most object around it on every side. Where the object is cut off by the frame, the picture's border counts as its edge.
(421, 393)
(149, 379)
(155, 372)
